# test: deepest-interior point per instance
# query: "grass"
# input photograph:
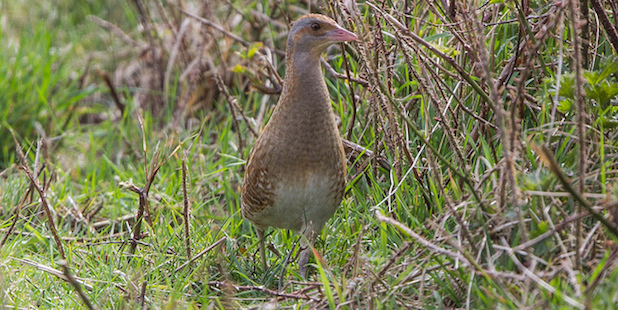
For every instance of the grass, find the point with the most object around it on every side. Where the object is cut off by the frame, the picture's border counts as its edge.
(469, 211)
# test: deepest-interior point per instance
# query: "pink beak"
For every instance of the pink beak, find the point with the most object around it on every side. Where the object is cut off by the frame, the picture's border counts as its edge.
(342, 35)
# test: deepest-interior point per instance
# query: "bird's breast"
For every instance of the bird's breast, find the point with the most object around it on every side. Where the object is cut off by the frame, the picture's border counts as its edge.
(300, 200)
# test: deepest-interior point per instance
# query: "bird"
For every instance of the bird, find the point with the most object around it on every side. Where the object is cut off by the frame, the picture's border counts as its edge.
(295, 175)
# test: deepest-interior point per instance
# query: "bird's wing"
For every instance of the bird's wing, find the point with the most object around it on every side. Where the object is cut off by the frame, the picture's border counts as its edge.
(257, 188)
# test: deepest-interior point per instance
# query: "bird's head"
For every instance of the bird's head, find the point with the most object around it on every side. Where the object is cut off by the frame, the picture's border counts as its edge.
(313, 33)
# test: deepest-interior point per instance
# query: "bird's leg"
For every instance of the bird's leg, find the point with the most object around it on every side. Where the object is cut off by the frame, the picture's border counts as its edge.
(304, 257)
(306, 244)
(260, 235)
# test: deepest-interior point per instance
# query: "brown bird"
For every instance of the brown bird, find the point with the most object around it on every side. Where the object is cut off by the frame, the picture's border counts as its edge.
(295, 177)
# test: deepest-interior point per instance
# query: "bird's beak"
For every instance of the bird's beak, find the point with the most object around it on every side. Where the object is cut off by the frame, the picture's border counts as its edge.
(342, 35)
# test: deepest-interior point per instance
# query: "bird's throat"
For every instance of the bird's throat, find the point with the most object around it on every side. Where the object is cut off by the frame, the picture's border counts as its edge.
(305, 90)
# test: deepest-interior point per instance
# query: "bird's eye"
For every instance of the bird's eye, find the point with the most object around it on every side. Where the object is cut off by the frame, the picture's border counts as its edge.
(315, 27)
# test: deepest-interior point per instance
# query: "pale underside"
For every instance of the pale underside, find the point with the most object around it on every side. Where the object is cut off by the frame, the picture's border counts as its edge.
(301, 204)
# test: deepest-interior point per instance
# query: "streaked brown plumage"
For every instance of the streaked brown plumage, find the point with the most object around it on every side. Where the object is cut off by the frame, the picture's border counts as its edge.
(295, 177)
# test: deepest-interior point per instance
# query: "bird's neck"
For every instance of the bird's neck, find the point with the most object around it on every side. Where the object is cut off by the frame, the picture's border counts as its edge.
(302, 64)
(305, 87)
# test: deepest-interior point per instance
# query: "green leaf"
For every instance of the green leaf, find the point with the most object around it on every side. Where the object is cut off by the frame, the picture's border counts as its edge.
(610, 66)
(608, 122)
(567, 86)
(602, 93)
(438, 36)
(565, 105)
(238, 69)
(544, 246)
(254, 48)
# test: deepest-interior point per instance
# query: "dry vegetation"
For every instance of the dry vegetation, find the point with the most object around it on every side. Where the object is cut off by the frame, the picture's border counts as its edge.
(482, 161)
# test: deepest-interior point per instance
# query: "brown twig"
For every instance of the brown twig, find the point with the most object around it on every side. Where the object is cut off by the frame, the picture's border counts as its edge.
(402, 250)
(143, 200)
(547, 157)
(76, 239)
(108, 222)
(353, 101)
(610, 263)
(200, 254)
(55, 272)
(538, 280)
(338, 75)
(584, 10)
(462, 73)
(37, 185)
(353, 148)
(614, 12)
(231, 100)
(112, 90)
(612, 34)
(78, 288)
(581, 116)
(145, 21)
(218, 28)
(430, 246)
(547, 234)
(264, 290)
(151, 171)
(142, 295)
(353, 260)
(186, 213)
(115, 30)
(15, 216)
